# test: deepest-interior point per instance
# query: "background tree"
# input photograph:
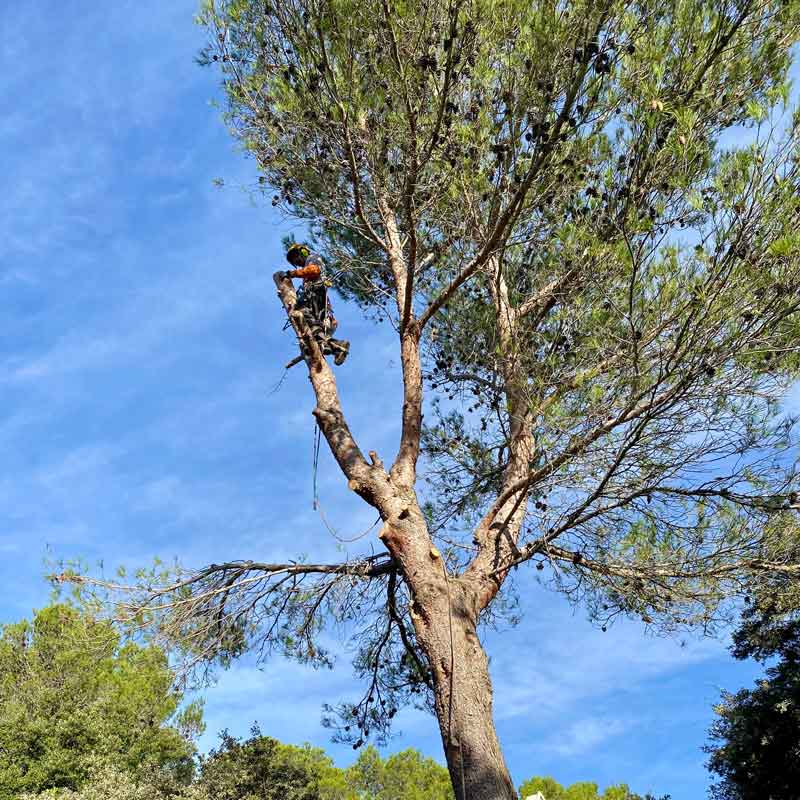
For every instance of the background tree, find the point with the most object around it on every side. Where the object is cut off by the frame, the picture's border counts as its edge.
(407, 775)
(71, 693)
(594, 289)
(553, 790)
(757, 736)
(262, 768)
(105, 781)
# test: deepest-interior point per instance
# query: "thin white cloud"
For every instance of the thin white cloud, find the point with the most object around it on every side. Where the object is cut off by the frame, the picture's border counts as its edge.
(145, 322)
(76, 466)
(293, 698)
(583, 736)
(556, 661)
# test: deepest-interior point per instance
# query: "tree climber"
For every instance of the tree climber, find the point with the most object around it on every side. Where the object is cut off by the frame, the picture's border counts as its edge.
(312, 300)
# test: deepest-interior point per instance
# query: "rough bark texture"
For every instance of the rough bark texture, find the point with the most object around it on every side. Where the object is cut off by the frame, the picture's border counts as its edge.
(446, 627)
(498, 533)
(444, 612)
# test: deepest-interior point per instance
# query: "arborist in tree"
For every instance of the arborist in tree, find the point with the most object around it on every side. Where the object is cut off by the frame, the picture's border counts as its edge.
(312, 300)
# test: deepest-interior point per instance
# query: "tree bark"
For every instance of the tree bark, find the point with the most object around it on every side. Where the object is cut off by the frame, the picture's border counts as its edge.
(444, 613)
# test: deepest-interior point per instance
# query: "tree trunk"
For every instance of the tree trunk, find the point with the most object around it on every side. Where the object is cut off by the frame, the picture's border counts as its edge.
(445, 621)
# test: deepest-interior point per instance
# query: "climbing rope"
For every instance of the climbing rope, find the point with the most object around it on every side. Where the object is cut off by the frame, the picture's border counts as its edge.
(318, 506)
(452, 684)
(276, 388)
(316, 465)
(343, 539)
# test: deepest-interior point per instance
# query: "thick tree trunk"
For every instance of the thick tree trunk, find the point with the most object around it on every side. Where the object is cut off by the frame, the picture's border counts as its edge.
(445, 621)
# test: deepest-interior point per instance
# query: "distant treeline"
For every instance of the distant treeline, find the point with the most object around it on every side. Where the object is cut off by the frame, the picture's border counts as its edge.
(85, 715)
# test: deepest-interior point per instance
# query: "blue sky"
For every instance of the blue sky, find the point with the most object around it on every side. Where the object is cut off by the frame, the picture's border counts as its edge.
(140, 340)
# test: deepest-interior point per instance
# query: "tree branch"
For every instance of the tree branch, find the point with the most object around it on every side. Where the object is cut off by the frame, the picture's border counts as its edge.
(328, 412)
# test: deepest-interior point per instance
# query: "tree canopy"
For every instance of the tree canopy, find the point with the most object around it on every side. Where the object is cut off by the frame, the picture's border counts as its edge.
(71, 692)
(581, 222)
(262, 768)
(104, 781)
(406, 775)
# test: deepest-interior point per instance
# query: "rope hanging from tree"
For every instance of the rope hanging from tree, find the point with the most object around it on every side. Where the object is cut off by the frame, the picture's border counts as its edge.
(316, 465)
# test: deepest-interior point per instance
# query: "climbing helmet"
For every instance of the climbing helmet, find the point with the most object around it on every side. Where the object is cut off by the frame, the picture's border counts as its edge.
(297, 254)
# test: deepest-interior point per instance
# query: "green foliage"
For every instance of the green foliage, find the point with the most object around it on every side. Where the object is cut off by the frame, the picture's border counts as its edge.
(70, 692)
(756, 750)
(402, 776)
(551, 789)
(262, 768)
(596, 134)
(107, 782)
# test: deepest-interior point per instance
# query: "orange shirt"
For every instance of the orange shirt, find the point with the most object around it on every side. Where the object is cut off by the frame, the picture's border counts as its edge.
(311, 270)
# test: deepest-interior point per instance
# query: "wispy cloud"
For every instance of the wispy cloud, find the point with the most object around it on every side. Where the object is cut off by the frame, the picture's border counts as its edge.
(563, 661)
(140, 325)
(583, 736)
